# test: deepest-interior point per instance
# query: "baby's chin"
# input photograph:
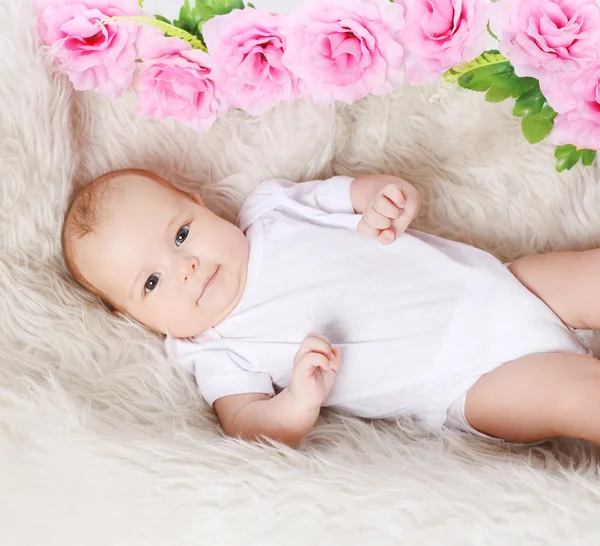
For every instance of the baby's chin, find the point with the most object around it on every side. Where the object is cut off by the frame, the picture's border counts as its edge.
(182, 334)
(188, 331)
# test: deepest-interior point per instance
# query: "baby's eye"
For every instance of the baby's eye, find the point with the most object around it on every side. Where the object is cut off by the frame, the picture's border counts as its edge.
(151, 283)
(182, 235)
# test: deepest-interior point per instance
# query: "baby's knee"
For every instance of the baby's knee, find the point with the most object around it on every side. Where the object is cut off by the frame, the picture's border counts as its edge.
(578, 403)
(583, 390)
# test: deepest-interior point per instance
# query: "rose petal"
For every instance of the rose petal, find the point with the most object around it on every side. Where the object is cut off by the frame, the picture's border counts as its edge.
(95, 56)
(345, 50)
(440, 34)
(546, 36)
(180, 85)
(248, 46)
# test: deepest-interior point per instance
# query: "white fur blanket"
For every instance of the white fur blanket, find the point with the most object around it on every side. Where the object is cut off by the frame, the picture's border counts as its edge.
(102, 442)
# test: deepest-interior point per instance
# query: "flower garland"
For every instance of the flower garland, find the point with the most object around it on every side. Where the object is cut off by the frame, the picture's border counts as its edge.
(222, 54)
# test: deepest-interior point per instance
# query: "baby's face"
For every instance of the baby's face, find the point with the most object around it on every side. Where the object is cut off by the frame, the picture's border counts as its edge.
(165, 259)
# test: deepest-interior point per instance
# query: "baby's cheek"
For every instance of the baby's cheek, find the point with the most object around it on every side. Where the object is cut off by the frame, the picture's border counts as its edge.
(185, 322)
(171, 319)
(153, 312)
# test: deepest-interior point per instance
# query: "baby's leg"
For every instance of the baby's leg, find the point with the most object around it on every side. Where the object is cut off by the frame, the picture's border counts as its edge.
(569, 283)
(537, 397)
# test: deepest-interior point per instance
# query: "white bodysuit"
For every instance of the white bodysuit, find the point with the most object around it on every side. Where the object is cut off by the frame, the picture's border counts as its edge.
(418, 322)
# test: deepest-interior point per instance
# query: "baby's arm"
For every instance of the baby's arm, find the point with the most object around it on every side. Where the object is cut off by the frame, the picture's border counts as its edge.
(254, 416)
(388, 205)
(290, 415)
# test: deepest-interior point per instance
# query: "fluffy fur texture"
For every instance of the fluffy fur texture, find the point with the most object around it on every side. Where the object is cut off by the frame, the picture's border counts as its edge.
(103, 442)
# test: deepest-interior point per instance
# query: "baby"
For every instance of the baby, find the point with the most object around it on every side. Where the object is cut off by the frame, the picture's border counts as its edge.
(323, 297)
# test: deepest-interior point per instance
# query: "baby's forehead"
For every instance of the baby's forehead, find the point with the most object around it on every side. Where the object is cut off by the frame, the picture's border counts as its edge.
(143, 184)
(143, 197)
(116, 197)
(100, 203)
(130, 210)
(130, 188)
(130, 185)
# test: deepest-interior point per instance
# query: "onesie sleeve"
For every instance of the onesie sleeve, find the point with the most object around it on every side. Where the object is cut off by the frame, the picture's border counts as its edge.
(221, 372)
(331, 195)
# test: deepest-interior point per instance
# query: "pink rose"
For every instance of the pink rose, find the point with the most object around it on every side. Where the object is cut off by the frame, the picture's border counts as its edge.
(547, 35)
(96, 56)
(574, 129)
(576, 97)
(579, 90)
(440, 34)
(248, 47)
(178, 83)
(346, 49)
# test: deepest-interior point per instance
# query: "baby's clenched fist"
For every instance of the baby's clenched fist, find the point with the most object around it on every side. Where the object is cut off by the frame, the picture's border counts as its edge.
(390, 213)
(315, 368)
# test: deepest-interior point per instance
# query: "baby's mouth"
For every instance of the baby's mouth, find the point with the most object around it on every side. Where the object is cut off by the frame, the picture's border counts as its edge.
(208, 283)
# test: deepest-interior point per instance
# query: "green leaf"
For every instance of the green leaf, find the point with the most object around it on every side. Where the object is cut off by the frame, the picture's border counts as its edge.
(548, 112)
(530, 102)
(499, 91)
(141, 3)
(222, 7)
(189, 17)
(487, 58)
(588, 157)
(195, 13)
(523, 84)
(252, 6)
(496, 76)
(481, 79)
(536, 127)
(567, 157)
(205, 12)
(163, 19)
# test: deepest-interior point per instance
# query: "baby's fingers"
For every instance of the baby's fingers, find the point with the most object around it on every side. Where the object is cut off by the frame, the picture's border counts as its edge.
(315, 343)
(311, 361)
(334, 363)
(375, 219)
(387, 237)
(366, 230)
(386, 207)
(394, 193)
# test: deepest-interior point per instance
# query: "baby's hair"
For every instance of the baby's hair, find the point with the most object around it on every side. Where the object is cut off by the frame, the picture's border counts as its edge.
(83, 216)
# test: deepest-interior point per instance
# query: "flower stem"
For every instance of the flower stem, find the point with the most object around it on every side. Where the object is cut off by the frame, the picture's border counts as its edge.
(169, 30)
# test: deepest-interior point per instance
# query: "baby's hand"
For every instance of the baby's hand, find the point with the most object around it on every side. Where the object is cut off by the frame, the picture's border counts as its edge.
(315, 368)
(390, 213)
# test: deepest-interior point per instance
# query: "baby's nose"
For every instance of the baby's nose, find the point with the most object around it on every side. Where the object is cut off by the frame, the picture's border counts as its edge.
(189, 269)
